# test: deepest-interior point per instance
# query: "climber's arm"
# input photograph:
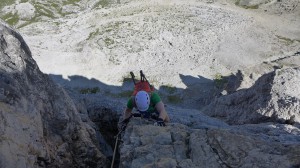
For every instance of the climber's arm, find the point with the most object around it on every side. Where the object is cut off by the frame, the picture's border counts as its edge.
(128, 110)
(127, 113)
(160, 107)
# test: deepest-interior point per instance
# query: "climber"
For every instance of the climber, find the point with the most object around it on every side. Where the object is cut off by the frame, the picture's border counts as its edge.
(147, 102)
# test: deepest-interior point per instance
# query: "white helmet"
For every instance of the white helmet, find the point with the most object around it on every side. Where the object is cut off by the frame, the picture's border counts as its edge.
(142, 100)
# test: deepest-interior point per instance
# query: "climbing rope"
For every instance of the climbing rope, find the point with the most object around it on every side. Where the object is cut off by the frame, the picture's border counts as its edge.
(118, 136)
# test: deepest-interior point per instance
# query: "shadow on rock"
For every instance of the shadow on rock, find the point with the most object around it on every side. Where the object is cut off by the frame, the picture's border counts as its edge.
(270, 99)
(200, 91)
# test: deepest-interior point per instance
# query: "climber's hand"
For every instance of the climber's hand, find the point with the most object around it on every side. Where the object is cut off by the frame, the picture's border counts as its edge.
(160, 122)
(136, 115)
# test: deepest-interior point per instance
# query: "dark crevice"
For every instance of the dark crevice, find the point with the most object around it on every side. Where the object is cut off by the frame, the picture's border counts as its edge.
(42, 161)
(286, 57)
(295, 166)
(187, 142)
(106, 120)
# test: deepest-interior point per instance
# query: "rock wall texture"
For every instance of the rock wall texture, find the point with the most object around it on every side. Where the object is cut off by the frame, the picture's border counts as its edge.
(39, 123)
(274, 97)
(268, 145)
(263, 130)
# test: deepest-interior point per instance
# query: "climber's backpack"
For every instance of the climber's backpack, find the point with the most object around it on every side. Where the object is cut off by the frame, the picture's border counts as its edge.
(143, 84)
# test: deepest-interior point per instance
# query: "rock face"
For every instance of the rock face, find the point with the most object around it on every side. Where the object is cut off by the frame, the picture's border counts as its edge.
(274, 97)
(193, 43)
(263, 131)
(177, 145)
(39, 123)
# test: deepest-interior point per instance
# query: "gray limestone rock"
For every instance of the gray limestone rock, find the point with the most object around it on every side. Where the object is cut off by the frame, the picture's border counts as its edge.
(39, 123)
(264, 130)
(177, 145)
(274, 97)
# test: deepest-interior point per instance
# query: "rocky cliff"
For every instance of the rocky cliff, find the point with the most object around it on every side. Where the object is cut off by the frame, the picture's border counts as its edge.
(39, 123)
(264, 130)
(263, 145)
(189, 49)
(274, 97)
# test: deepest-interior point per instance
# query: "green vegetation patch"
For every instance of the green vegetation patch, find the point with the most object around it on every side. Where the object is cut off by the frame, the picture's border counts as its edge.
(102, 3)
(90, 90)
(170, 89)
(71, 2)
(123, 94)
(280, 72)
(175, 99)
(219, 80)
(6, 3)
(126, 93)
(113, 26)
(43, 11)
(24, 1)
(11, 19)
(251, 7)
(58, 8)
(93, 34)
(108, 41)
(55, 6)
(237, 3)
(286, 40)
(28, 22)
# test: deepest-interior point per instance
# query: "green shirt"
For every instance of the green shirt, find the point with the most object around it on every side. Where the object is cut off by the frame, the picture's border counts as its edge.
(154, 99)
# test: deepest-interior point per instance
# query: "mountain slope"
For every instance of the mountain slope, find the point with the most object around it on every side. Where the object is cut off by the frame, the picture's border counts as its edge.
(168, 40)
